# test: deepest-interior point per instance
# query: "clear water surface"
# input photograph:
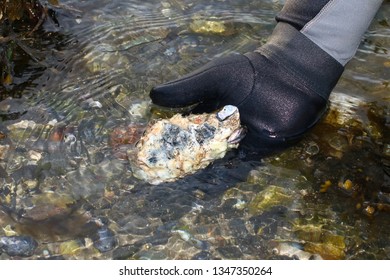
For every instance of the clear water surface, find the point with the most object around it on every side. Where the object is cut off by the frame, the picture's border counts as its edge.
(82, 96)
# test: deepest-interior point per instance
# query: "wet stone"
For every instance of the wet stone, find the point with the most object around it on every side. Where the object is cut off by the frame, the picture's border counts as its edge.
(203, 255)
(230, 210)
(208, 27)
(230, 252)
(238, 229)
(104, 240)
(266, 224)
(190, 239)
(269, 197)
(253, 245)
(199, 244)
(133, 224)
(26, 172)
(154, 240)
(21, 246)
(292, 250)
(125, 252)
(47, 205)
(280, 258)
(326, 251)
(71, 247)
(150, 255)
(4, 151)
(3, 173)
(265, 228)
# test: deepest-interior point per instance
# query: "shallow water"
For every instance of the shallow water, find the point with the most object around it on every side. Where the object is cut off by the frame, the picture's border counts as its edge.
(66, 183)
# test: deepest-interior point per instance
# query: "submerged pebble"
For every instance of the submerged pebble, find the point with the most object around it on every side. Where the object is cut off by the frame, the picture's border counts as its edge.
(293, 251)
(230, 252)
(269, 197)
(325, 250)
(215, 27)
(71, 247)
(22, 246)
(4, 151)
(203, 255)
(47, 205)
(124, 252)
(104, 240)
(186, 236)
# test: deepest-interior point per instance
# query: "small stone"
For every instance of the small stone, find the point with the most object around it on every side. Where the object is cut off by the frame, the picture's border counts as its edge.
(2, 135)
(72, 247)
(289, 250)
(369, 210)
(91, 104)
(230, 252)
(47, 205)
(199, 194)
(203, 255)
(124, 252)
(240, 204)
(238, 228)
(24, 124)
(326, 251)
(30, 184)
(209, 27)
(104, 240)
(4, 151)
(22, 246)
(269, 197)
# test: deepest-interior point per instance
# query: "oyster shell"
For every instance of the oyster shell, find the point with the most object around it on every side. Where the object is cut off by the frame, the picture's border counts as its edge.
(179, 146)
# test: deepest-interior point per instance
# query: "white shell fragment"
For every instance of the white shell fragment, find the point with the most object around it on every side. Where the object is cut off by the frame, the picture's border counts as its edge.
(179, 146)
(226, 112)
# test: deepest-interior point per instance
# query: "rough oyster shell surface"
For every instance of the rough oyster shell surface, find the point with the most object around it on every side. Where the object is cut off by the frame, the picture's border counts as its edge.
(173, 148)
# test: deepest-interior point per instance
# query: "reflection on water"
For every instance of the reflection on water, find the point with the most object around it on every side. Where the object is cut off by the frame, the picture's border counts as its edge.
(66, 187)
